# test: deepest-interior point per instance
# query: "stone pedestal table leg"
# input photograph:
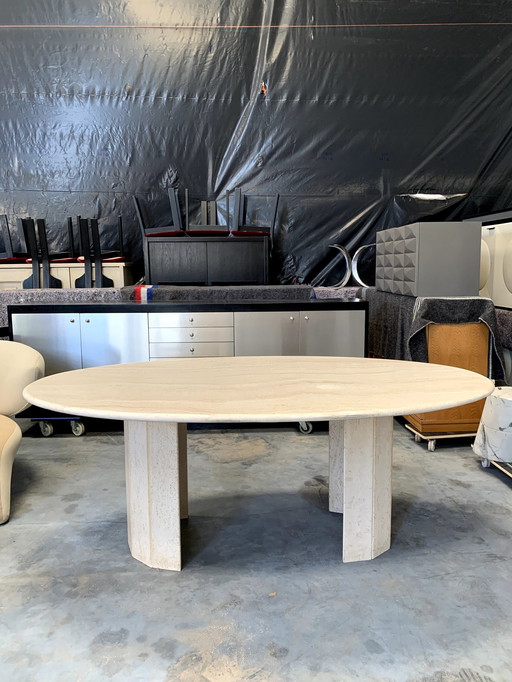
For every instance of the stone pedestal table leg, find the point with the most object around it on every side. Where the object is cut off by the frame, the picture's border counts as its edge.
(360, 456)
(156, 491)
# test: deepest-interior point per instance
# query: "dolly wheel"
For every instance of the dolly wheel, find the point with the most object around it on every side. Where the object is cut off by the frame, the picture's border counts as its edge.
(46, 429)
(77, 428)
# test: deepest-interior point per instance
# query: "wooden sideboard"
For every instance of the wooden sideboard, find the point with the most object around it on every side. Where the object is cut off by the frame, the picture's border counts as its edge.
(206, 260)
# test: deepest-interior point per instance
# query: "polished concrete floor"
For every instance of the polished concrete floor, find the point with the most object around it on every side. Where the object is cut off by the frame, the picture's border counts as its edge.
(263, 595)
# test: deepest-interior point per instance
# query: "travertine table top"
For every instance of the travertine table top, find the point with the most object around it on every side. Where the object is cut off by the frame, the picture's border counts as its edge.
(258, 389)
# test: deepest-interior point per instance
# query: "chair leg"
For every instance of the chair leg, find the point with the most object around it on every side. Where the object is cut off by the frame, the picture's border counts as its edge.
(6, 236)
(85, 281)
(100, 280)
(175, 208)
(28, 232)
(72, 248)
(49, 281)
(10, 439)
(120, 236)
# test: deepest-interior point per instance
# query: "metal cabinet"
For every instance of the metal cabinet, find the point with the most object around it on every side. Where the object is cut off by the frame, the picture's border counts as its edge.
(194, 334)
(55, 335)
(72, 341)
(110, 339)
(333, 332)
(88, 339)
(267, 333)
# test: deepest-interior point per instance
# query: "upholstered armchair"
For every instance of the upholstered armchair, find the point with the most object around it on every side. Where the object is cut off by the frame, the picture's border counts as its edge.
(20, 365)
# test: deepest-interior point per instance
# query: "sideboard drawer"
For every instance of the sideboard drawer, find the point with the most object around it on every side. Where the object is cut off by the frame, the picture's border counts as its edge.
(189, 350)
(190, 319)
(190, 335)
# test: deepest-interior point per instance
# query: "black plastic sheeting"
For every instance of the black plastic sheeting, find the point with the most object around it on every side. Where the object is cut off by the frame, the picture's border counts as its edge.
(372, 113)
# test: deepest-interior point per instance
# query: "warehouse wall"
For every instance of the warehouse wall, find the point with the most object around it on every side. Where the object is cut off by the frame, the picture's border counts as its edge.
(373, 113)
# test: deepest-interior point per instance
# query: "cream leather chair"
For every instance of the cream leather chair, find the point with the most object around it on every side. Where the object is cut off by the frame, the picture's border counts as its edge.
(20, 365)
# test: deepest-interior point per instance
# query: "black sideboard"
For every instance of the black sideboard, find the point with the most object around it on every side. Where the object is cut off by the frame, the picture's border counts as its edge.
(206, 260)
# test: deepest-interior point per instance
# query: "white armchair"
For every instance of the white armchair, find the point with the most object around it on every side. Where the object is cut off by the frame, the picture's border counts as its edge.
(20, 365)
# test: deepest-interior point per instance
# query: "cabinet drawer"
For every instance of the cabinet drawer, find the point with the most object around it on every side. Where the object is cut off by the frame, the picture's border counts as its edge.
(188, 350)
(190, 319)
(190, 335)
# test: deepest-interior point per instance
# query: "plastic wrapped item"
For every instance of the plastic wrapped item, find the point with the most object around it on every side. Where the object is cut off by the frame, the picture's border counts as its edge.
(493, 441)
(361, 115)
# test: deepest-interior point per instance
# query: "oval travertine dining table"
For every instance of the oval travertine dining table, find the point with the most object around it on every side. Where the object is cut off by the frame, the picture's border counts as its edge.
(156, 400)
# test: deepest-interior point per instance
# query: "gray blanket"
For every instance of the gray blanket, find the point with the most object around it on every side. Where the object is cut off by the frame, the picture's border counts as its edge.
(453, 310)
(218, 294)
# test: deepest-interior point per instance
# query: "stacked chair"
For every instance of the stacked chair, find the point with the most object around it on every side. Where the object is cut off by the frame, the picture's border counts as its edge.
(93, 256)
(8, 255)
(33, 234)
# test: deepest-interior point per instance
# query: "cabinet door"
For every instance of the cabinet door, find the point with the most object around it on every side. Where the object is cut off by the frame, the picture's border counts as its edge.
(333, 332)
(55, 335)
(112, 338)
(177, 261)
(267, 333)
(238, 261)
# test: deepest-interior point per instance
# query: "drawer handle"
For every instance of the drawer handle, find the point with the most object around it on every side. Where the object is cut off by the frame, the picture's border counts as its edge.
(192, 350)
(72, 321)
(292, 318)
(87, 321)
(191, 335)
(190, 319)
(306, 317)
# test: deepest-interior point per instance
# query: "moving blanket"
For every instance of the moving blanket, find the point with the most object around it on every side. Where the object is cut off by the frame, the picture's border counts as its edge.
(455, 310)
(216, 294)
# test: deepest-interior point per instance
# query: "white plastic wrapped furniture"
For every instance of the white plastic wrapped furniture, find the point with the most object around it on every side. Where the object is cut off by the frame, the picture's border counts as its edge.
(493, 441)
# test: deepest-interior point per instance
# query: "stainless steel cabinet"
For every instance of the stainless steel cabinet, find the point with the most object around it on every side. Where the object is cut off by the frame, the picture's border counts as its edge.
(267, 333)
(195, 334)
(109, 339)
(55, 335)
(72, 341)
(333, 332)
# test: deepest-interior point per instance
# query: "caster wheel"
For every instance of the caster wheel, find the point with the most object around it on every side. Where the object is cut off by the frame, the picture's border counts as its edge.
(431, 445)
(46, 429)
(305, 427)
(77, 428)
(417, 438)
(485, 463)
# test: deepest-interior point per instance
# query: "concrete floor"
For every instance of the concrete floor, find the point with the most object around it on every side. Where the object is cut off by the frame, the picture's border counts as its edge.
(263, 595)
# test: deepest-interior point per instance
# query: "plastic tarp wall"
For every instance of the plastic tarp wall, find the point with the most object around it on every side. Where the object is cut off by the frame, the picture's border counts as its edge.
(362, 114)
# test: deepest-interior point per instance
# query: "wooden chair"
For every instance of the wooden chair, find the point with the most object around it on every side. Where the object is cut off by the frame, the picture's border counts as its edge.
(92, 255)
(242, 229)
(209, 225)
(39, 256)
(8, 255)
(174, 230)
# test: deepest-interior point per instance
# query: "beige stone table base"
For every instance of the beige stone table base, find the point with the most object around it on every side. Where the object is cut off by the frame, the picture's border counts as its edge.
(360, 454)
(156, 491)
(360, 459)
